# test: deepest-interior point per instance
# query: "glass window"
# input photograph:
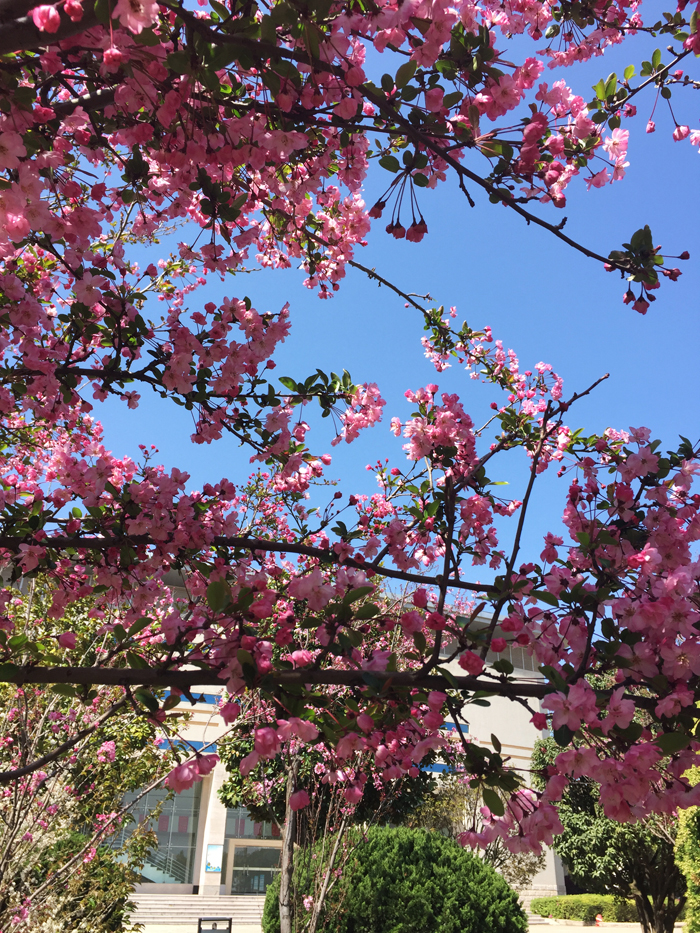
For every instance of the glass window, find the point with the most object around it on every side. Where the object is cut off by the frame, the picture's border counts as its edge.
(176, 828)
(254, 868)
(239, 825)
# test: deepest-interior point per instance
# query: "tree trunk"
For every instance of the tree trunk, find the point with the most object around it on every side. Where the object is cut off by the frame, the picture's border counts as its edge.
(656, 917)
(287, 864)
(318, 905)
(646, 913)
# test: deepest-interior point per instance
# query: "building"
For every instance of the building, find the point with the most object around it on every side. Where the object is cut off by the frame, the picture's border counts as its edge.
(205, 849)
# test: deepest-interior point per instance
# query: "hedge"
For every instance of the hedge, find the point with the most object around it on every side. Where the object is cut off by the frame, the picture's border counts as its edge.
(688, 856)
(586, 907)
(400, 880)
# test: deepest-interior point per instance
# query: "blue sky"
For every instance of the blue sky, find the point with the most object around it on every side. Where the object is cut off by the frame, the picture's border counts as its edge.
(539, 296)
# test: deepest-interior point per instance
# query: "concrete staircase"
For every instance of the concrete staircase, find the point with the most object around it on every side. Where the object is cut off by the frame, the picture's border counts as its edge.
(534, 920)
(166, 910)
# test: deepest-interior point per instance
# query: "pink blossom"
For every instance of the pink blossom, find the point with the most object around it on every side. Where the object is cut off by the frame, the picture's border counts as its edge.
(301, 657)
(11, 149)
(471, 663)
(136, 15)
(429, 744)
(182, 777)
(106, 751)
(349, 744)
(420, 598)
(229, 712)
(299, 799)
(598, 180)
(248, 763)
(681, 132)
(206, 764)
(616, 144)
(433, 99)
(74, 10)
(353, 794)
(267, 743)
(433, 719)
(46, 18)
(67, 640)
(539, 721)
(365, 722)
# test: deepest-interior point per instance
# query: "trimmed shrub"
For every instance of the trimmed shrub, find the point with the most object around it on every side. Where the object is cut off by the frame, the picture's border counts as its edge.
(586, 907)
(414, 881)
(688, 856)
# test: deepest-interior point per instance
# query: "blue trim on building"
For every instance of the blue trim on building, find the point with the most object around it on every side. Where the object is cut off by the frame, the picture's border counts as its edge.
(210, 698)
(451, 727)
(210, 747)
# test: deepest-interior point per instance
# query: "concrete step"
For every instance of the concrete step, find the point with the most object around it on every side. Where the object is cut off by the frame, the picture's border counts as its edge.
(188, 908)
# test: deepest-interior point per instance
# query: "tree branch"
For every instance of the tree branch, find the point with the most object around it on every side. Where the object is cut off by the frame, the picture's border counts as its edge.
(6, 777)
(21, 35)
(189, 679)
(13, 543)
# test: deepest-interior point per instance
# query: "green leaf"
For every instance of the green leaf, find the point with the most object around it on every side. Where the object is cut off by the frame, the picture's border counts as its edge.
(17, 641)
(179, 62)
(419, 641)
(405, 73)
(139, 625)
(147, 699)
(63, 690)
(390, 163)
(357, 593)
(631, 733)
(136, 661)
(493, 801)
(218, 595)
(563, 736)
(545, 596)
(629, 72)
(495, 742)
(449, 677)
(7, 672)
(672, 742)
(368, 611)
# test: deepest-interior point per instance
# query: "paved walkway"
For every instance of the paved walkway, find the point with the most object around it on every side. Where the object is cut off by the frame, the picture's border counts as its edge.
(568, 926)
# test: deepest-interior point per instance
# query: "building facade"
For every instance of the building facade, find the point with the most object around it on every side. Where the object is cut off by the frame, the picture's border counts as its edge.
(203, 848)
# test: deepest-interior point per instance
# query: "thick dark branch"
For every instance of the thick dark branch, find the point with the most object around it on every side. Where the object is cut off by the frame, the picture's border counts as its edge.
(21, 35)
(12, 543)
(188, 680)
(15, 9)
(89, 102)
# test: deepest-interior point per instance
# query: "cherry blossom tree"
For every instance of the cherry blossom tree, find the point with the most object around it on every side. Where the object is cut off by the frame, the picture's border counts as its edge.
(249, 128)
(60, 863)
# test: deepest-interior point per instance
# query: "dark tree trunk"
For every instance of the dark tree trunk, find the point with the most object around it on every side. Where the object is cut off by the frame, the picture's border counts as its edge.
(287, 863)
(657, 915)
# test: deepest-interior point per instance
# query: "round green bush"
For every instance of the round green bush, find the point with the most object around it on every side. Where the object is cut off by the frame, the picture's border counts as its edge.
(414, 881)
